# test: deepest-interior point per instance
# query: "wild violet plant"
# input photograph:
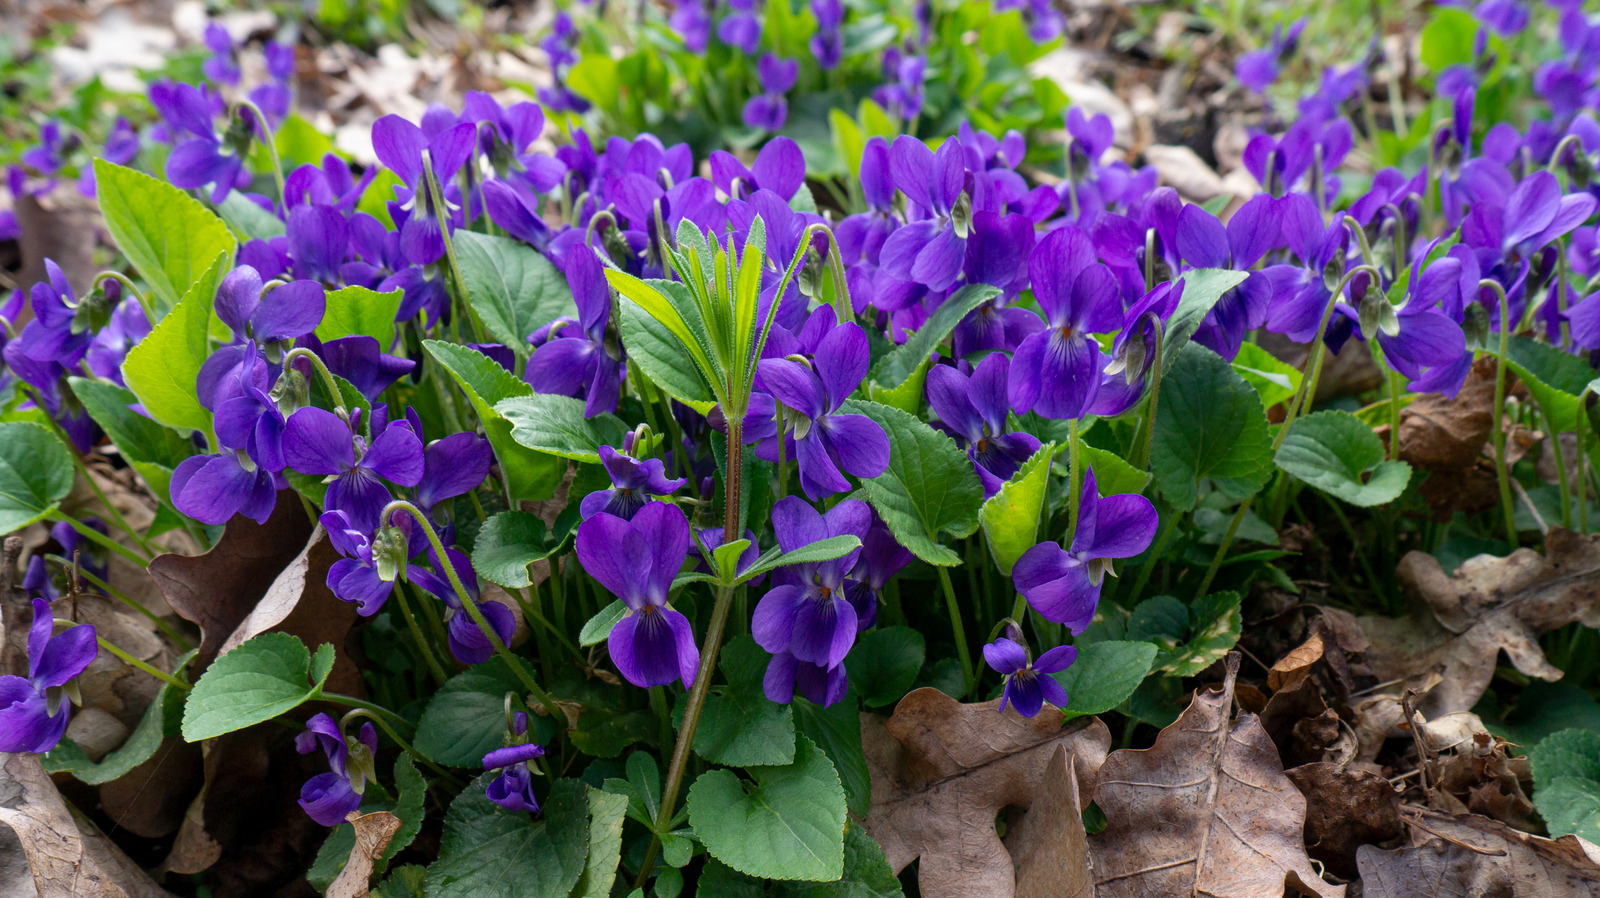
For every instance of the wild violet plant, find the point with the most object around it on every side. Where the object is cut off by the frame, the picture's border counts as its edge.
(760, 431)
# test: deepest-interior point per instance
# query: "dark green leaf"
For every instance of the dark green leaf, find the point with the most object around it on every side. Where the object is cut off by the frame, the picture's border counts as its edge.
(269, 675)
(466, 719)
(35, 473)
(739, 727)
(1336, 453)
(821, 550)
(556, 425)
(1104, 676)
(599, 627)
(901, 363)
(489, 852)
(836, 730)
(1566, 778)
(884, 664)
(533, 475)
(513, 288)
(1209, 424)
(606, 813)
(929, 488)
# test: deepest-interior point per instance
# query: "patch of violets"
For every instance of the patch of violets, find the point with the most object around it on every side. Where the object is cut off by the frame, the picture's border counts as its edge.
(1083, 276)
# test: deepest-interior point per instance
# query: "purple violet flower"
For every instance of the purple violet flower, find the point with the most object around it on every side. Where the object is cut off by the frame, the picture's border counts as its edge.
(741, 28)
(221, 66)
(930, 248)
(316, 442)
(330, 797)
(584, 361)
(653, 644)
(467, 641)
(634, 483)
(828, 444)
(1259, 68)
(1064, 585)
(827, 45)
(768, 110)
(513, 788)
(1056, 372)
(34, 711)
(974, 412)
(354, 577)
(54, 334)
(400, 145)
(1026, 690)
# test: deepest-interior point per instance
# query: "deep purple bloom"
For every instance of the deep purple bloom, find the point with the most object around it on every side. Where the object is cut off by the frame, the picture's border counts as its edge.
(467, 640)
(274, 98)
(881, 558)
(359, 360)
(861, 236)
(453, 466)
(204, 158)
(653, 644)
(400, 145)
(1204, 242)
(317, 442)
(741, 28)
(827, 45)
(54, 335)
(1259, 68)
(330, 797)
(1056, 372)
(828, 444)
(930, 248)
(1064, 585)
(808, 614)
(780, 167)
(768, 110)
(221, 66)
(128, 325)
(213, 488)
(34, 711)
(974, 412)
(691, 21)
(788, 676)
(582, 361)
(283, 313)
(633, 483)
(513, 788)
(1026, 690)
(354, 577)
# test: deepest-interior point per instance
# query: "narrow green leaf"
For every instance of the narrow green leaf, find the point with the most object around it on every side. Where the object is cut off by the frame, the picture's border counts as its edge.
(788, 825)
(513, 288)
(606, 813)
(358, 311)
(1010, 517)
(168, 235)
(821, 550)
(162, 369)
(1338, 454)
(35, 474)
(599, 627)
(929, 488)
(660, 308)
(265, 677)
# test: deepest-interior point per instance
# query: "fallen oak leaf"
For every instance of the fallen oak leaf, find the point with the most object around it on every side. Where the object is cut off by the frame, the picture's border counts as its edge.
(1500, 861)
(942, 770)
(1206, 810)
(1346, 807)
(1049, 845)
(68, 856)
(1490, 605)
(373, 832)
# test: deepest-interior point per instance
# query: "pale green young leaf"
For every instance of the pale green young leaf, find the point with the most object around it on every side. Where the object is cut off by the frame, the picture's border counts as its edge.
(507, 543)
(358, 311)
(1010, 518)
(1341, 456)
(168, 235)
(162, 369)
(606, 814)
(1274, 380)
(597, 628)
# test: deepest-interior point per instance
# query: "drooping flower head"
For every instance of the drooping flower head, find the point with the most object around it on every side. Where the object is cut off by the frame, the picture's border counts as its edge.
(1063, 585)
(633, 483)
(467, 640)
(34, 711)
(653, 644)
(974, 410)
(329, 797)
(585, 361)
(513, 788)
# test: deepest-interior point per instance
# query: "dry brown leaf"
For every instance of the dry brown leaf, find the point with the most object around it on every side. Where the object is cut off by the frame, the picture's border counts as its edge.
(219, 589)
(1296, 665)
(1490, 605)
(1449, 438)
(373, 832)
(1484, 857)
(1207, 810)
(942, 771)
(1346, 807)
(68, 856)
(1048, 845)
(193, 851)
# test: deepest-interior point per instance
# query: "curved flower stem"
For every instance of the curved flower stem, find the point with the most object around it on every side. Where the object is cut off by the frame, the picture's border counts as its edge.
(373, 710)
(1149, 422)
(960, 630)
(436, 198)
(1561, 147)
(1502, 475)
(271, 145)
(133, 662)
(510, 657)
(332, 386)
(383, 724)
(119, 596)
(423, 646)
(99, 538)
(128, 285)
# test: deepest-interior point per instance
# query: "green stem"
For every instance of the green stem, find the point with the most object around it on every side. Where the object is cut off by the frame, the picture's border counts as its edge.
(1075, 478)
(383, 724)
(131, 287)
(328, 383)
(1222, 548)
(434, 667)
(1149, 422)
(99, 538)
(436, 196)
(1502, 474)
(272, 147)
(375, 710)
(954, 607)
(1164, 536)
(116, 516)
(510, 657)
(1561, 467)
(135, 663)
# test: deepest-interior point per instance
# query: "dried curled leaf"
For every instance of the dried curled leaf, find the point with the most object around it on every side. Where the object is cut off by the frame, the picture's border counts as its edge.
(1490, 605)
(1049, 845)
(1207, 810)
(69, 857)
(942, 770)
(373, 832)
(1471, 855)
